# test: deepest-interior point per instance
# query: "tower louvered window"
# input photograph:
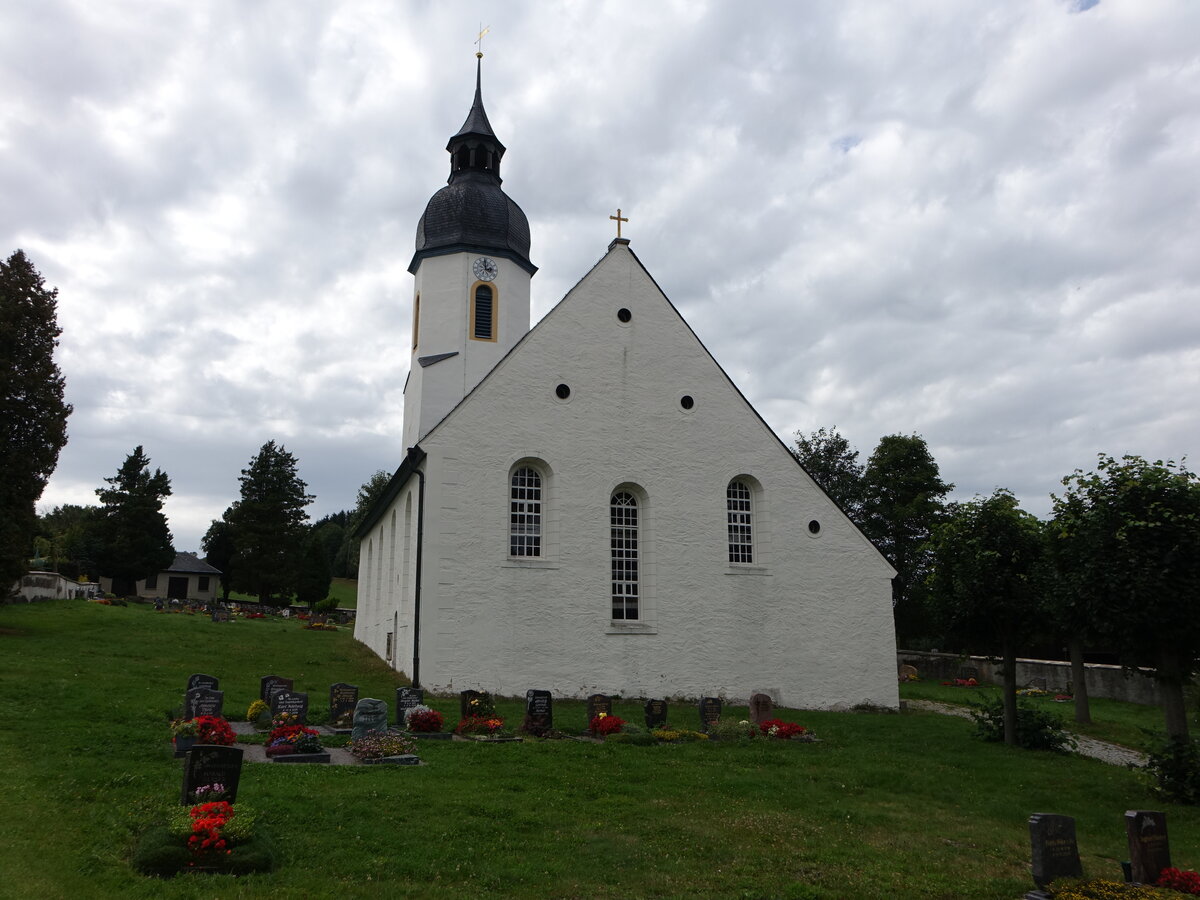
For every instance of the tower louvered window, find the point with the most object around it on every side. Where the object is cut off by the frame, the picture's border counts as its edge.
(525, 513)
(626, 583)
(738, 514)
(483, 314)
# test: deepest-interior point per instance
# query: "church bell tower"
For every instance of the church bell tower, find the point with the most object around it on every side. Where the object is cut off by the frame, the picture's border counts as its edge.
(472, 274)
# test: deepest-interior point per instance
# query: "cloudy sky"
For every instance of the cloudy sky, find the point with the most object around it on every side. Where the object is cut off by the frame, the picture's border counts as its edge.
(977, 222)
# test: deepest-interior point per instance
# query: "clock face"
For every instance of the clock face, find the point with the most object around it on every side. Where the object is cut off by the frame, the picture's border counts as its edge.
(485, 269)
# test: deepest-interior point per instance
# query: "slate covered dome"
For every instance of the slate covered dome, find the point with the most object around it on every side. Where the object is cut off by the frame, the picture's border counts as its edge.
(472, 212)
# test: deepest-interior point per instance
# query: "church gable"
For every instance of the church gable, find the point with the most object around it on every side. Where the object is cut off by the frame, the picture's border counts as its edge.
(613, 379)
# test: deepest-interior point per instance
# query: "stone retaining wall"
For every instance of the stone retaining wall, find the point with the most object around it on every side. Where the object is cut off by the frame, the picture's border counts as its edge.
(1112, 682)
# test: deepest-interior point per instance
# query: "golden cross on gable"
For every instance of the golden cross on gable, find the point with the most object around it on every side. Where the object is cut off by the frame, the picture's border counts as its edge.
(618, 218)
(479, 40)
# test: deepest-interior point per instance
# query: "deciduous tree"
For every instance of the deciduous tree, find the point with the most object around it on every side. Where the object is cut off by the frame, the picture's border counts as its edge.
(984, 589)
(833, 464)
(1135, 530)
(33, 414)
(134, 539)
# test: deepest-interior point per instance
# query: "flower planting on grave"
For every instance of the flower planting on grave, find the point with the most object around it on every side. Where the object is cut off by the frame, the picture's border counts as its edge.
(961, 682)
(259, 714)
(288, 736)
(214, 730)
(603, 725)
(184, 728)
(378, 745)
(678, 735)
(1103, 889)
(488, 726)
(212, 836)
(1184, 881)
(728, 729)
(423, 720)
(785, 731)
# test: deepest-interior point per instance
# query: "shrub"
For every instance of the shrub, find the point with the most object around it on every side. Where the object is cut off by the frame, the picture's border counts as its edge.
(257, 710)
(1037, 729)
(1175, 765)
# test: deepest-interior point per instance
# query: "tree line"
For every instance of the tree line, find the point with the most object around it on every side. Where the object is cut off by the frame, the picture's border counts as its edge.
(1115, 567)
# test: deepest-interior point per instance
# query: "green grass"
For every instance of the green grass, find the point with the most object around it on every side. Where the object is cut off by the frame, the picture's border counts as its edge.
(885, 806)
(345, 589)
(1122, 723)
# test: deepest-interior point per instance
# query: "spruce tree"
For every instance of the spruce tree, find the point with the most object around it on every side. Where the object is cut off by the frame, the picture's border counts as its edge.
(33, 414)
(135, 540)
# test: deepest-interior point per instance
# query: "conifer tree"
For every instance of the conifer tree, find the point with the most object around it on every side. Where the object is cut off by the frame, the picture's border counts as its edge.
(134, 538)
(33, 414)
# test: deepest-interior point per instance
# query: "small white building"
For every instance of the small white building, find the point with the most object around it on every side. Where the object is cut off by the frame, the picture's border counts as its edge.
(592, 505)
(187, 578)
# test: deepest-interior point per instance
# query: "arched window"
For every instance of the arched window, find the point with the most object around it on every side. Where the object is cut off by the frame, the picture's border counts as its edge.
(739, 518)
(525, 513)
(483, 313)
(626, 583)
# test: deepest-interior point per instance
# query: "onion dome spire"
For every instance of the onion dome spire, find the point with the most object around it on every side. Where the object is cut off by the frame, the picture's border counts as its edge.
(475, 148)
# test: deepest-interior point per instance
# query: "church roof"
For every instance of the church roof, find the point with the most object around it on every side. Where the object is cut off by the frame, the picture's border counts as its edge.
(472, 212)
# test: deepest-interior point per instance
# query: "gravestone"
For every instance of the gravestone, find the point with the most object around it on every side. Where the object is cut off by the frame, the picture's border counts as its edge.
(270, 685)
(221, 614)
(539, 712)
(656, 713)
(207, 764)
(908, 673)
(205, 681)
(1055, 853)
(968, 672)
(294, 703)
(203, 702)
(342, 699)
(596, 704)
(710, 711)
(761, 708)
(1149, 851)
(1038, 684)
(370, 715)
(406, 699)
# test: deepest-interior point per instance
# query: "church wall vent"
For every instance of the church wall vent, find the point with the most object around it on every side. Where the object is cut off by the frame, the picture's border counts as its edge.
(563, 392)
(686, 401)
(624, 315)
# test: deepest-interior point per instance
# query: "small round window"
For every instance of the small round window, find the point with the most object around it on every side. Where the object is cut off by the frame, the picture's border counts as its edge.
(686, 401)
(562, 392)
(624, 315)
(814, 527)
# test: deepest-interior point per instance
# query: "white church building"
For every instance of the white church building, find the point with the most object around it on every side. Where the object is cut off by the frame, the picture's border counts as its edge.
(592, 505)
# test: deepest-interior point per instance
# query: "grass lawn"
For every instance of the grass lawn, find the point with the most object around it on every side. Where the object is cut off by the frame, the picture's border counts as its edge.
(345, 589)
(886, 806)
(1112, 720)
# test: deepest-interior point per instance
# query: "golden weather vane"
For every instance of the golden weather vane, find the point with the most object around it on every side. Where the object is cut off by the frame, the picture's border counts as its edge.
(479, 40)
(618, 218)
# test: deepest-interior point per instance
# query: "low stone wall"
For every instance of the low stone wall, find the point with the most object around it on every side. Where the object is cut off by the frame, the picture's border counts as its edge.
(1111, 682)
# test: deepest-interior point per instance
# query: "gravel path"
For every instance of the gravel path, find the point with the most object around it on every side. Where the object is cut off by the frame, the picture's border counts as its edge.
(1114, 754)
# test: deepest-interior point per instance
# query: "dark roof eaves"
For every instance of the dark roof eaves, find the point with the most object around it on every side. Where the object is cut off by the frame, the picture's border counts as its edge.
(447, 249)
(412, 461)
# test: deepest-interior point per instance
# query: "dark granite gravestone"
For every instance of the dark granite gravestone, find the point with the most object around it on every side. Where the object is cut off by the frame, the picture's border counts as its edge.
(203, 702)
(207, 764)
(968, 672)
(406, 699)
(370, 715)
(221, 614)
(294, 703)
(710, 710)
(539, 712)
(270, 685)
(656, 713)
(205, 681)
(761, 708)
(464, 702)
(342, 699)
(596, 704)
(1149, 850)
(1055, 853)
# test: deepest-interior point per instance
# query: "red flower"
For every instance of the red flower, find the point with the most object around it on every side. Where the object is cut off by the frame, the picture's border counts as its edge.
(604, 724)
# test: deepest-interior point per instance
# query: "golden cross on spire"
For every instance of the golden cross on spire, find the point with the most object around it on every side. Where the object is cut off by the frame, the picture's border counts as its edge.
(479, 40)
(618, 218)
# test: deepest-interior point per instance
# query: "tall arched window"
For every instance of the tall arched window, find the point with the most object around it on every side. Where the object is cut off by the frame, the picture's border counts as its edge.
(739, 518)
(525, 513)
(626, 583)
(483, 313)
